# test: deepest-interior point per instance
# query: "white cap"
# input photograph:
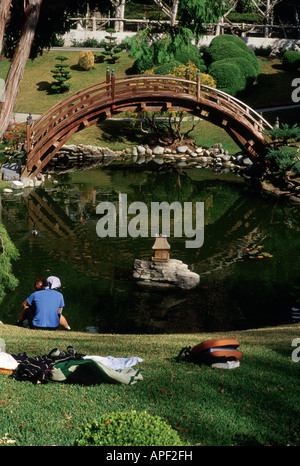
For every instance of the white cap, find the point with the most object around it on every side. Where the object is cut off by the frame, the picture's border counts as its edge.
(53, 282)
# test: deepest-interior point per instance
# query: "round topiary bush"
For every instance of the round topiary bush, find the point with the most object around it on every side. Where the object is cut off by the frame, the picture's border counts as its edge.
(228, 46)
(220, 51)
(248, 71)
(291, 60)
(228, 76)
(229, 38)
(128, 429)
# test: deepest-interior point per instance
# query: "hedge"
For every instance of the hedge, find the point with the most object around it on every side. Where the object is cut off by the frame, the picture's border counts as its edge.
(228, 76)
(226, 51)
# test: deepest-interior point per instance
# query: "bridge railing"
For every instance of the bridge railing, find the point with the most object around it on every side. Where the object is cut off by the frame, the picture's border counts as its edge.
(193, 89)
(149, 86)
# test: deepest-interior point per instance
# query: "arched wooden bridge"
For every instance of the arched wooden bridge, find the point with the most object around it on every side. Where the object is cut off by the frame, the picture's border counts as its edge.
(142, 93)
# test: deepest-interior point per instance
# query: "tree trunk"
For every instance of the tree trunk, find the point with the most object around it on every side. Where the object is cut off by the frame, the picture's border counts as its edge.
(4, 10)
(17, 67)
(119, 13)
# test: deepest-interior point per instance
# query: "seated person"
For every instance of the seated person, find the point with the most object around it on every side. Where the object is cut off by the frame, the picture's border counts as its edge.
(43, 308)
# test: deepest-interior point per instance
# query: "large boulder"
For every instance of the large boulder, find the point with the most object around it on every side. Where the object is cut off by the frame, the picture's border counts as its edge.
(170, 274)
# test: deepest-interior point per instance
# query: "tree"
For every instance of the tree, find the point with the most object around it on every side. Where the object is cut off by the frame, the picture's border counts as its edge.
(196, 14)
(4, 11)
(119, 6)
(111, 47)
(170, 11)
(21, 55)
(61, 75)
(32, 26)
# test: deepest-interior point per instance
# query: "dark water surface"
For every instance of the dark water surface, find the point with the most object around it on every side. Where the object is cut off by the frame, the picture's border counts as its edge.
(96, 273)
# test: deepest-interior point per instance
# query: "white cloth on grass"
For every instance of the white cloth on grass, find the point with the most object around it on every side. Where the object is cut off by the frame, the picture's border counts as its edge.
(115, 363)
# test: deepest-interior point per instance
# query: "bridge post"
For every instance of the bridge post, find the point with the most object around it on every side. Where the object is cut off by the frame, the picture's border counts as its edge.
(107, 75)
(198, 84)
(113, 84)
(187, 76)
(28, 133)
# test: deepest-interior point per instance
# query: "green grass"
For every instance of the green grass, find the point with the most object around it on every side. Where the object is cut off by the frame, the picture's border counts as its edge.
(34, 94)
(255, 404)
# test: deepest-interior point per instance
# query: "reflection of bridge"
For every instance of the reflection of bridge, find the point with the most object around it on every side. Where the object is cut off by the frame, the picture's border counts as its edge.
(140, 94)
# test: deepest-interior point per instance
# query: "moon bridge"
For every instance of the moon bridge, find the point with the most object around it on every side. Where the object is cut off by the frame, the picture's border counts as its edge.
(143, 93)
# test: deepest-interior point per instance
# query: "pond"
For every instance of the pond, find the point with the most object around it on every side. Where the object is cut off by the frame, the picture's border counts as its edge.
(100, 293)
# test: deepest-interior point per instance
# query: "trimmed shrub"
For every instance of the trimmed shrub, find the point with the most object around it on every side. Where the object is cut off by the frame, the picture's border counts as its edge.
(227, 49)
(231, 51)
(86, 60)
(61, 75)
(229, 39)
(166, 68)
(248, 71)
(228, 76)
(190, 53)
(128, 429)
(291, 60)
(221, 51)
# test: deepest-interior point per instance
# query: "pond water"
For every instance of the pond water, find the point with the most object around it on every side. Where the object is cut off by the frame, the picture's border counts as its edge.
(96, 273)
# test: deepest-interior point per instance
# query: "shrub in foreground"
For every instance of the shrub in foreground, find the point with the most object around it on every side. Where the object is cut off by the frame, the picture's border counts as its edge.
(128, 429)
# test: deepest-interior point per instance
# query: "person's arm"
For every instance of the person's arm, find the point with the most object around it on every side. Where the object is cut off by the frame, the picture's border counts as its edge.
(25, 304)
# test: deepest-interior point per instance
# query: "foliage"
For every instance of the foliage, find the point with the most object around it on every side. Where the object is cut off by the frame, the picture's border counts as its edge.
(89, 42)
(195, 14)
(111, 48)
(128, 429)
(291, 60)
(61, 75)
(54, 21)
(15, 134)
(150, 52)
(286, 158)
(285, 151)
(227, 75)
(8, 252)
(226, 51)
(86, 60)
(284, 133)
(180, 72)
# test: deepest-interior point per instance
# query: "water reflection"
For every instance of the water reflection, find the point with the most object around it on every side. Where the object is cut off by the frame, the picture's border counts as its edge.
(96, 273)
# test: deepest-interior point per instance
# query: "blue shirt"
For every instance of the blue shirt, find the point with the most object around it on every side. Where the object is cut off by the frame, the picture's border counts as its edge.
(47, 303)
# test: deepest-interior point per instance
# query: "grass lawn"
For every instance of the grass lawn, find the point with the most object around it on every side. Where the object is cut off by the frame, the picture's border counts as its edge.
(273, 86)
(34, 96)
(254, 404)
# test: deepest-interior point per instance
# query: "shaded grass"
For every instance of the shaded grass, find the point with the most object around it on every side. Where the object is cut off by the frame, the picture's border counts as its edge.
(273, 86)
(255, 404)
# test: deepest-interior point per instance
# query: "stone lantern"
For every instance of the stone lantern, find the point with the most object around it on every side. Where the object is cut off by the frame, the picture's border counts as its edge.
(161, 249)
